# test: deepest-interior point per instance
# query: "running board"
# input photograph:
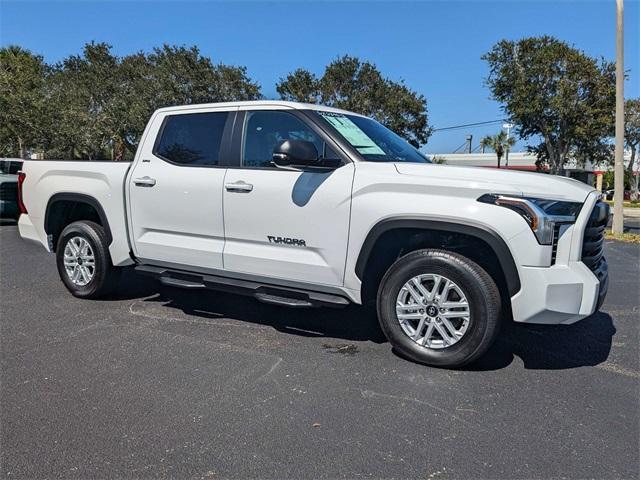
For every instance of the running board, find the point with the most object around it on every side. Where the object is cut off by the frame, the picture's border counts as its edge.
(266, 293)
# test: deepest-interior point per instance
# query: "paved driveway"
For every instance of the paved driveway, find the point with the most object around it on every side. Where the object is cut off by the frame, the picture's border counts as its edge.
(162, 382)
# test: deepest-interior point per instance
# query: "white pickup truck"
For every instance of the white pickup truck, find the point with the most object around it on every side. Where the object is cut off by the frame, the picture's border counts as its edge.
(305, 205)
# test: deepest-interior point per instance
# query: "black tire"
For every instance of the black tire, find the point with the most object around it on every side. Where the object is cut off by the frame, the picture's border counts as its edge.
(479, 289)
(105, 274)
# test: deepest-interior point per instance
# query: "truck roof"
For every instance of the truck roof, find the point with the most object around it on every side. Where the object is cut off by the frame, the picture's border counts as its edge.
(272, 104)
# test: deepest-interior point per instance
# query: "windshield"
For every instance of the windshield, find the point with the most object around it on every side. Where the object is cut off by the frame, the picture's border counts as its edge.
(374, 142)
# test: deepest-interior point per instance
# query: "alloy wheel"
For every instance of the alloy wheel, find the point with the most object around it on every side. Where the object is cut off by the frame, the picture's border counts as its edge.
(433, 311)
(79, 261)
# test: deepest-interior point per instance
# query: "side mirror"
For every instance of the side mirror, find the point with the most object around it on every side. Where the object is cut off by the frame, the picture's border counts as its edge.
(291, 153)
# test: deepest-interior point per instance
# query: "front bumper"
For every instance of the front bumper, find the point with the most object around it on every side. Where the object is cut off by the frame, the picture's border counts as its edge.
(559, 294)
(576, 285)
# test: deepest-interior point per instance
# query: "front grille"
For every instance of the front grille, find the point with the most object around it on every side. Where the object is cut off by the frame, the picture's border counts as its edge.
(593, 242)
(554, 248)
(9, 191)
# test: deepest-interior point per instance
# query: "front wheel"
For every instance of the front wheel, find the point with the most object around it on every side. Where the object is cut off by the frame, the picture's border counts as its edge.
(439, 308)
(84, 262)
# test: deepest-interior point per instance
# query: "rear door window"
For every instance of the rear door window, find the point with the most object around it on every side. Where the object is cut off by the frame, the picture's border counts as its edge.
(192, 139)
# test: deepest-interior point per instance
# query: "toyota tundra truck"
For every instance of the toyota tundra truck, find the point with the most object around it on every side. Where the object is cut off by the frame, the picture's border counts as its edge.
(305, 205)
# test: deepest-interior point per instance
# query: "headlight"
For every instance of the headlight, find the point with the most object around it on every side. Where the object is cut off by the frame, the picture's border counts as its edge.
(541, 214)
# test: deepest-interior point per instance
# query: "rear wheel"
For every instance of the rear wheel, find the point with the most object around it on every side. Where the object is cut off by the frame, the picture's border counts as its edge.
(439, 308)
(83, 260)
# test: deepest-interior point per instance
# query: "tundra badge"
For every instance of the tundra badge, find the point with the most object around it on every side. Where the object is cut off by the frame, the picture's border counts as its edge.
(287, 241)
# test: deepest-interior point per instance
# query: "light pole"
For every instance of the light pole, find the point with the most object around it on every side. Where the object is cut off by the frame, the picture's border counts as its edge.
(508, 126)
(618, 194)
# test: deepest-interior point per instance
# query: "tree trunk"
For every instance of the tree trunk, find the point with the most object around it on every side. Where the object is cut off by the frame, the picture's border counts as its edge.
(555, 164)
(554, 157)
(118, 150)
(21, 150)
(499, 159)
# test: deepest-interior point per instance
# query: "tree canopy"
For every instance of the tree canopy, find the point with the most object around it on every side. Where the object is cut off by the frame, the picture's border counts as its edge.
(555, 93)
(95, 105)
(357, 85)
(22, 77)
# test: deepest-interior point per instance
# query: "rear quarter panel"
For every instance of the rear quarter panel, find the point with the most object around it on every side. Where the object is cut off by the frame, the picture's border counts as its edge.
(101, 180)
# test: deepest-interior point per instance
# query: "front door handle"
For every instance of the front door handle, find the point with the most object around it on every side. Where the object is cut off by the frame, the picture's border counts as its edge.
(144, 181)
(238, 187)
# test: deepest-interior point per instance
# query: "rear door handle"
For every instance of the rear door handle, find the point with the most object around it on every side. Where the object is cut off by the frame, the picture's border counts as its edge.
(238, 187)
(144, 181)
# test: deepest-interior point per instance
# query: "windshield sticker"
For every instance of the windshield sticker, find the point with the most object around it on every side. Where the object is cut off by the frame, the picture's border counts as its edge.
(356, 137)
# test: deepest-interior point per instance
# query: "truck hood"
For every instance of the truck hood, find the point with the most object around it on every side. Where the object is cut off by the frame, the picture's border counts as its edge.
(493, 180)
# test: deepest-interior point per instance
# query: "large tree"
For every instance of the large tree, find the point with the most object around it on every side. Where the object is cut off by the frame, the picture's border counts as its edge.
(184, 76)
(87, 92)
(554, 93)
(115, 96)
(299, 86)
(632, 141)
(22, 97)
(357, 85)
(95, 105)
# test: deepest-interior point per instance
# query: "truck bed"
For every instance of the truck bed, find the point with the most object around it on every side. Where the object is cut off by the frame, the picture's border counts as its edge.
(48, 181)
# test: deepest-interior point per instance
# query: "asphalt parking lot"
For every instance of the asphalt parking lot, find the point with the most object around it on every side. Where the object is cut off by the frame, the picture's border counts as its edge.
(162, 382)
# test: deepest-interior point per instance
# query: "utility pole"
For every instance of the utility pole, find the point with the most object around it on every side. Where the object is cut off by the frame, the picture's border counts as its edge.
(618, 195)
(469, 140)
(508, 126)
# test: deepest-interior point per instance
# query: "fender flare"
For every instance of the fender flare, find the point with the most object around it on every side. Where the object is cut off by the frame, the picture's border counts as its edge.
(490, 237)
(78, 198)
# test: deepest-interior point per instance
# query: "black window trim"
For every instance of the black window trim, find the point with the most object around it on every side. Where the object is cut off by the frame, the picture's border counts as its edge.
(238, 137)
(225, 141)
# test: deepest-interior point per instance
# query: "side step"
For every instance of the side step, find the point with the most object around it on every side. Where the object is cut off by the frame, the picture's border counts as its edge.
(272, 294)
(180, 283)
(278, 300)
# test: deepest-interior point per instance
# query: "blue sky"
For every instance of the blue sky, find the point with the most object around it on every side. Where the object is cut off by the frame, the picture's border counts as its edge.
(435, 46)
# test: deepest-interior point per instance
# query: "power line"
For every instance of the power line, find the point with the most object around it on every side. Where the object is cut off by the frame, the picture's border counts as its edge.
(456, 127)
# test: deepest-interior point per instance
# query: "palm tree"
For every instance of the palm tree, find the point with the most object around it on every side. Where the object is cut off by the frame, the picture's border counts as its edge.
(499, 143)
